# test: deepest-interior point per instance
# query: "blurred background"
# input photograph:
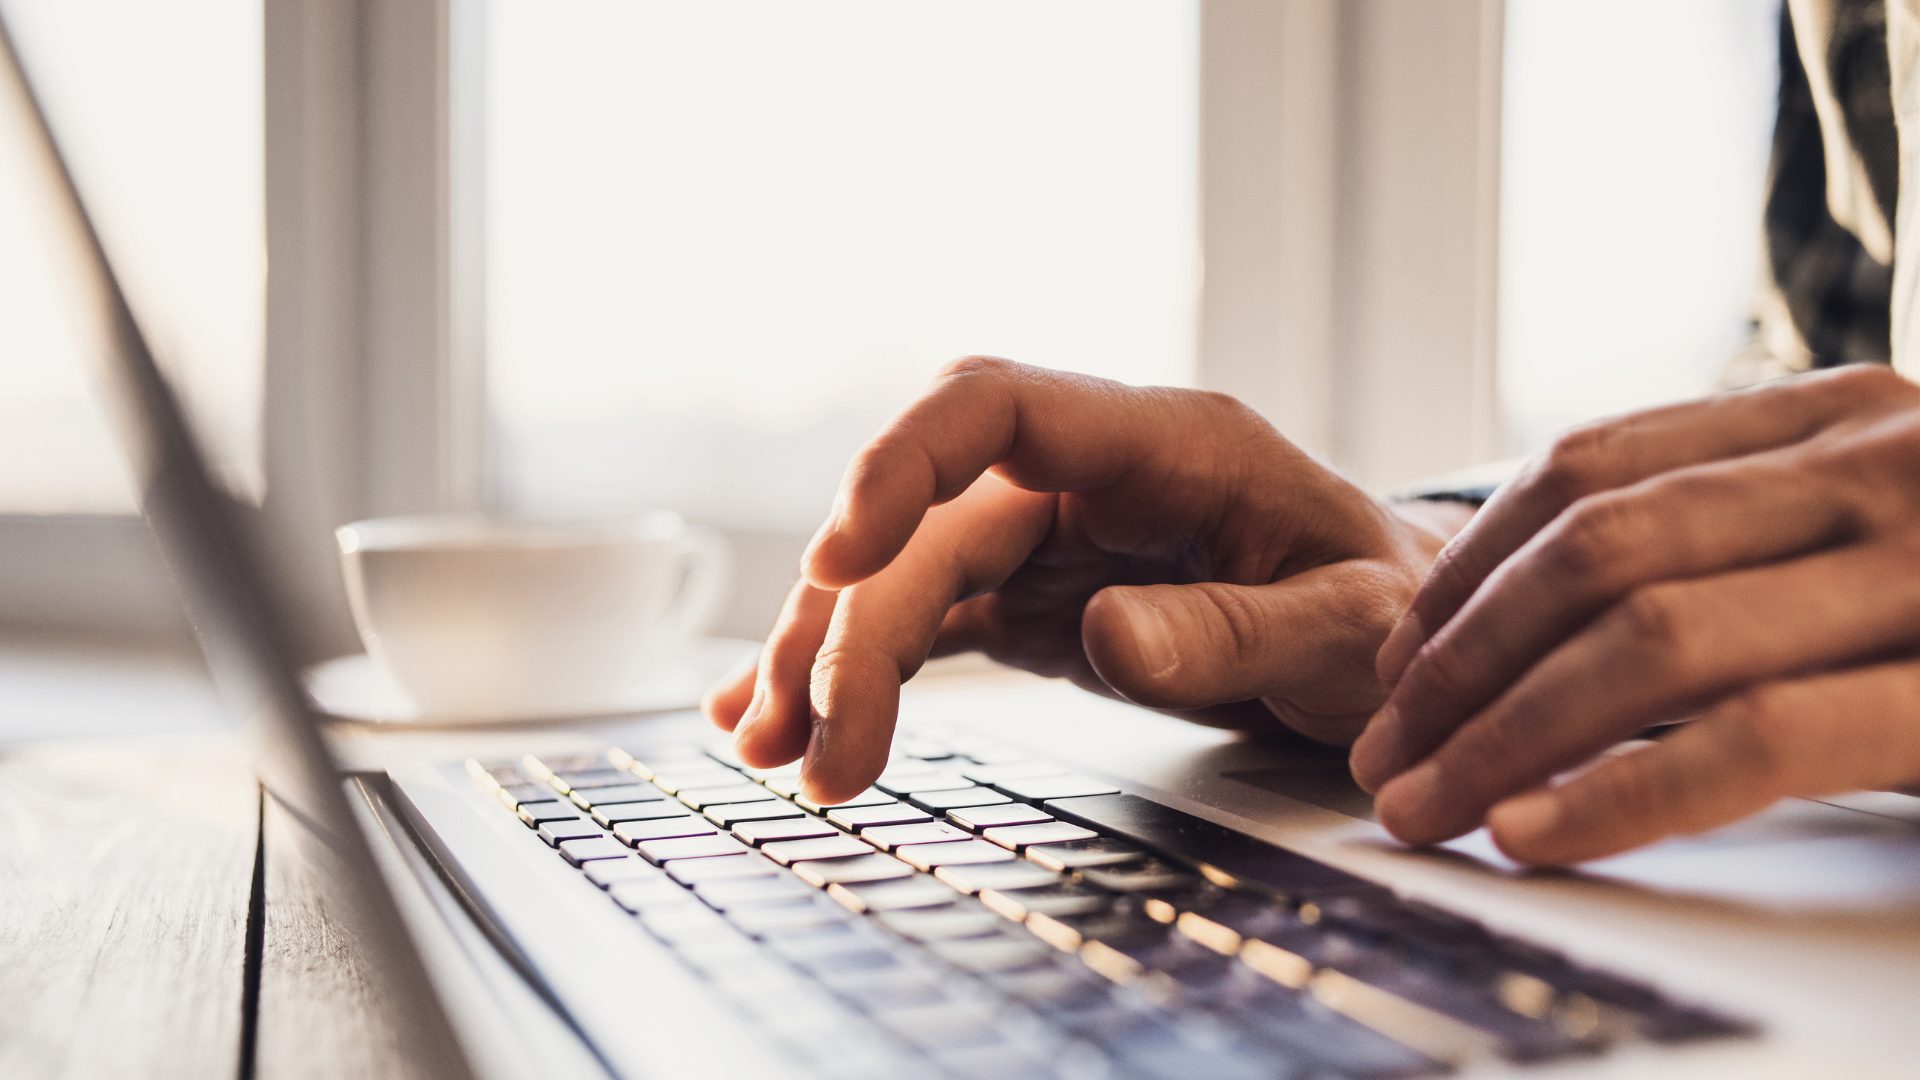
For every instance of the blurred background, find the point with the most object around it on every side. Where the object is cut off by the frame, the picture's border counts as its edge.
(571, 260)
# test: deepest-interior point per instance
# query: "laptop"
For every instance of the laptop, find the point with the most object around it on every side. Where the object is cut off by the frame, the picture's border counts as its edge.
(1041, 884)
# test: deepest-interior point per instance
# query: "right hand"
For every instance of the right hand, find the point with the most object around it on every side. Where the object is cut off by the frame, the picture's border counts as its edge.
(1165, 546)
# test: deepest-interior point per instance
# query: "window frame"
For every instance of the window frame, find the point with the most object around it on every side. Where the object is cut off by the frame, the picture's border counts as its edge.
(375, 396)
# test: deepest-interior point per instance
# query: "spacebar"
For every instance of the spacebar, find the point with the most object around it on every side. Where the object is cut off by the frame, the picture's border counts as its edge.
(1185, 838)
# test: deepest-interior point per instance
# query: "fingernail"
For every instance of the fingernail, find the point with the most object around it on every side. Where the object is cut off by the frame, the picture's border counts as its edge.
(1152, 638)
(811, 771)
(1409, 803)
(1398, 650)
(827, 528)
(1371, 760)
(1524, 822)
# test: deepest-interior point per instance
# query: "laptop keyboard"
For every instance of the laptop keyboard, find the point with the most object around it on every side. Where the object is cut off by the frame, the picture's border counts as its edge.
(990, 914)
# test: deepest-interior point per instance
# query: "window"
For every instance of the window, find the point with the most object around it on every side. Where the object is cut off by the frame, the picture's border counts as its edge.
(158, 108)
(726, 242)
(1634, 153)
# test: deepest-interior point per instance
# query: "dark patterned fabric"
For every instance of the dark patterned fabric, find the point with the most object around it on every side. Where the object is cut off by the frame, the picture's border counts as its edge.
(1831, 189)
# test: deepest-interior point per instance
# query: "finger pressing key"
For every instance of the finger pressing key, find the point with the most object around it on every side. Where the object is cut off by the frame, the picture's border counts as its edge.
(883, 628)
(774, 728)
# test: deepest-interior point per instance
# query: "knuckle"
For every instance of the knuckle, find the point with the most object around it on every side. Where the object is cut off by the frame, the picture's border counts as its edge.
(975, 367)
(1241, 625)
(1756, 728)
(1653, 617)
(1592, 537)
(1578, 462)
(1441, 670)
(1864, 383)
(1635, 788)
(1451, 579)
(1226, 407)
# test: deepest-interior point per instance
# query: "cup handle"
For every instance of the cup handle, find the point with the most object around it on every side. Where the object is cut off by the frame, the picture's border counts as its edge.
(709, 571)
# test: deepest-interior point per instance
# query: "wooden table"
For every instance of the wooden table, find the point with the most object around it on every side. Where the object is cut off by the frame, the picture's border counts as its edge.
(130, 940)
(129, 867)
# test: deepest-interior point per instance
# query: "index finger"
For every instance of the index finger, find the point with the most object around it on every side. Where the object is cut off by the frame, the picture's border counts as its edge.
(1613, 454)
(1046, 430)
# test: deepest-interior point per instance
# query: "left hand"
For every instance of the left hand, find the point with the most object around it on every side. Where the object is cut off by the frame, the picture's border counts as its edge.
(1752, 559)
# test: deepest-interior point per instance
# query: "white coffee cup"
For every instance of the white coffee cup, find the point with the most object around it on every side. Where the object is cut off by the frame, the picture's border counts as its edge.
(486, 618)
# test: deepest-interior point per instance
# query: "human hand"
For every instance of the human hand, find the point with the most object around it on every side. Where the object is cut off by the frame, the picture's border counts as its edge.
(1166, 546)
(1753, 558)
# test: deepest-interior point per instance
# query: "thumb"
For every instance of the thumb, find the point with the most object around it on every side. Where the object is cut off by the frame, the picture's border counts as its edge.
(1309, 640)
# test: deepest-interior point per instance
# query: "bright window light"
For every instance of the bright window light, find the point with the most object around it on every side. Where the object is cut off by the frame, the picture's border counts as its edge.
(727, 241)
(158, 107)
(1633, 170)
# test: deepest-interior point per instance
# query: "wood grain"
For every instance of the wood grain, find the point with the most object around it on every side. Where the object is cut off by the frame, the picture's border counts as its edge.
(320, 1015)
(125, 869)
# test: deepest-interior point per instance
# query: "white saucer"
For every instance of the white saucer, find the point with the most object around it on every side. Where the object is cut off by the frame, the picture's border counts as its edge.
(354, 688)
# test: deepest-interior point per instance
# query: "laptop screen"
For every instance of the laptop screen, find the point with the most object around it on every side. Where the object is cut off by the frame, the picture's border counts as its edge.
(217, 572)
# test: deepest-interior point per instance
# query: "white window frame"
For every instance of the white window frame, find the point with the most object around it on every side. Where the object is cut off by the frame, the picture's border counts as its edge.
(1354, 310)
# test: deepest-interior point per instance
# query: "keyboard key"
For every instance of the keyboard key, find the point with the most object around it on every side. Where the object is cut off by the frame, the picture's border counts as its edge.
(1019, 837)
(992, 955)
(1100, 851)
(614, 814)
(992, 774)
(536, 813)
(639, 832)
(588, 798)
(591, 848)
(960, 853)
(727, 815)
(890, 837)
(1198, 840)
(741, 792)
(942, 924)
(515, 794)
(790, 770)
(916, 893)
(869, 797)
(890, 812)
(1063, 899)
(694, 871)
(1042, 788)
(685, 923)
(770, 919)
(648, 894)
(860, 868)
(650, 766)
(1152, 876)
(921, 780)
(578, 779)
(944, 1026)
(994, 815)
(894, 988)
(607, 872)
(724, 893)
(992, 753)
(939, 802)
(923, 749)
(787, 852)
(690, 847)
(1069, 932)
(723, 753)
(570, 829)
(703, 775)
(783, 782)
(1003, 876)
(802, 828)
